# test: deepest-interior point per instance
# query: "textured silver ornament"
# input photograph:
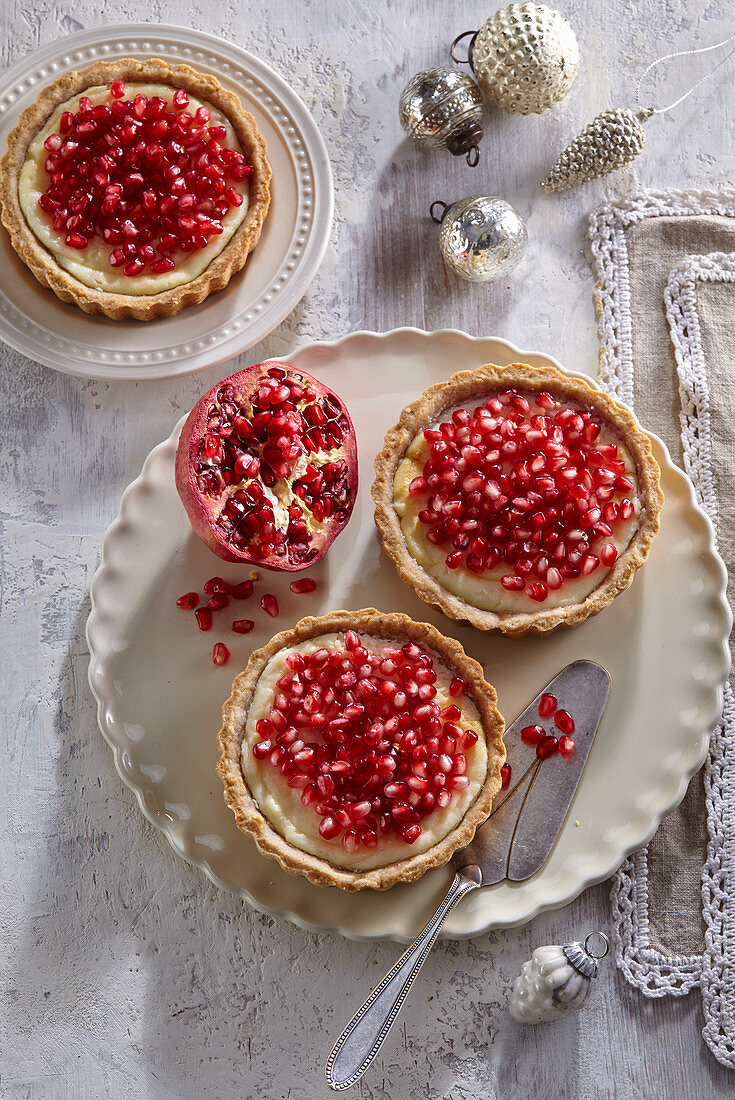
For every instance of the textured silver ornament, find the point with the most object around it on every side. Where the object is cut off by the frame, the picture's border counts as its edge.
(556, 980)
(525, 58)
(612, 140)
(443, 107)
(482, 237)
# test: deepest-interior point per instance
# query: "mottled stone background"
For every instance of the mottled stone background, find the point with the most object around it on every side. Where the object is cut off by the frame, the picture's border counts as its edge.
(125, 973)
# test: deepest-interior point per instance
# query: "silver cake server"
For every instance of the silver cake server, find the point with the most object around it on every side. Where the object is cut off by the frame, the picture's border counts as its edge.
(514, 843)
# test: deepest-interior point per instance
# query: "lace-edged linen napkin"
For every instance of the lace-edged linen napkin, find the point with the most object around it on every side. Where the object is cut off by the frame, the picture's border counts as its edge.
(665, 266)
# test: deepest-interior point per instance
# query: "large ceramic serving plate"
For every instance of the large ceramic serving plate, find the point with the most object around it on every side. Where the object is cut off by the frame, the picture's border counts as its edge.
(663, 641)
(275, 278)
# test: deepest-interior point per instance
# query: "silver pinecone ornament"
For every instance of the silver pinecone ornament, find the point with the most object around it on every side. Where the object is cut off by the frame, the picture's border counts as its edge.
(556, 980)
(443, 107)
(612, 140)
(525, 58)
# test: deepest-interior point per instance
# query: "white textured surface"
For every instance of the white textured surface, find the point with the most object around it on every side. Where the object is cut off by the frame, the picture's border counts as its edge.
(124, 972)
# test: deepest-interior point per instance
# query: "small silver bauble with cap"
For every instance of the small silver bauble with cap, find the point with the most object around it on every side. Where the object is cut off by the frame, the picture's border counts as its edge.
(482, 237)
(443, 107)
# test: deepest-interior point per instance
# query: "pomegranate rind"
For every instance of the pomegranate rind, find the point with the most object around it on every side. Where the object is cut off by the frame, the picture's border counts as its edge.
(121, 306)
(393, 627)
(204, 511)
(477, 385)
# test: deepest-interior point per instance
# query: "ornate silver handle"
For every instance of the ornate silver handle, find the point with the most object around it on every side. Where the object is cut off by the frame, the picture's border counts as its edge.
(363, 1037)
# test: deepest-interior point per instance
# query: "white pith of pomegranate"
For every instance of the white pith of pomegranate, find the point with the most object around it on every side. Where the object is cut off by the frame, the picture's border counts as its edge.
(359, 733)
(152, 180)
(520, 485)
(266, 467)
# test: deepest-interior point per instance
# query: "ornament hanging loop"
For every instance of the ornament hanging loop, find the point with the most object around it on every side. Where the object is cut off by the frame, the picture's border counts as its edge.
(603, 949)
(683, 53)
(444, 206)
(473, 156)
(463, 60)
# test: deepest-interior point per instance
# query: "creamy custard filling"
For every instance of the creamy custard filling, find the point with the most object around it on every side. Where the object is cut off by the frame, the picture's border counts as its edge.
(91, 265)
(293, 812)
(527, 558)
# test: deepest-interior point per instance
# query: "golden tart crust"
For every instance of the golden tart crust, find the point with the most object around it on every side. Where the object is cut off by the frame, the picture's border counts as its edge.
(121, 306)
(392, 627)
(466, 386)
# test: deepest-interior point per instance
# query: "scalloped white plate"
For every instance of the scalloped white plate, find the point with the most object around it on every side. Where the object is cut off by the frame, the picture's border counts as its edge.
(277, 274)
(664, 642)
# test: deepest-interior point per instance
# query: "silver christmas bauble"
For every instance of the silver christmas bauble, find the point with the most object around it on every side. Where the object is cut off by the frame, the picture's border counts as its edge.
(525, 58)
(556, 980)
(443, 107)
(612, 140)
(482, 237)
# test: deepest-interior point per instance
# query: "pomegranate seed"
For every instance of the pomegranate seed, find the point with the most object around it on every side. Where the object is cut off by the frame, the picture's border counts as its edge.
(217, 585)
(547, 704)
(204, 618)
(532, 735)
(505, 773)
(457, 687)
(547, 748)
(564, 721)
(269, 603)
(216, 603)
(243, 626)
(306, 584)
(567, 747)
(220, 654)
(242, 590)
(188, 601)
(117, 89)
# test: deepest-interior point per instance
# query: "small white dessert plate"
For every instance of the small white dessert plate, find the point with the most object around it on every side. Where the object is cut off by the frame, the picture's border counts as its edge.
(295, 234)
(664, 642)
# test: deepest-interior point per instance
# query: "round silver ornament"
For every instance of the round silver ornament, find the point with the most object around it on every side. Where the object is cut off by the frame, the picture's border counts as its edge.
(482, 237)
(443, 107)
(556, 980)
(612, 140)
(525, 57)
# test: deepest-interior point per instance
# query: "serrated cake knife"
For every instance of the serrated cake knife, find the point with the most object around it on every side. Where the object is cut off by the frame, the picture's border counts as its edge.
(514, 843)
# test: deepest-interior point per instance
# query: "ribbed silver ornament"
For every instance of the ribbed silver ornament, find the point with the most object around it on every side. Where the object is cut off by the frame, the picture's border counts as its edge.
(525, 58)
(442, 107)
(612, 140)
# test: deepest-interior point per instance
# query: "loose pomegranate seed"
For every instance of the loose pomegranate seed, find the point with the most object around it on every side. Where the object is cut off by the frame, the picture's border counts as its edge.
(220, 654)
(306, 584)
(122, 171)
(269, 603)
(242, 590)
(243, 626)
(350, 728)
(204, 618)
(547, 747)
(216, 603)
(566, 746)
(564, 721)
(505, 773)
(217, 585)
(546, 704)
(523, 486)
(532, 735)
(188, 601)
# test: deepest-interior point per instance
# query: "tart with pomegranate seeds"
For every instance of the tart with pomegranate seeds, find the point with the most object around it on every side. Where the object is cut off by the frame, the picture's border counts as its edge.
(266, 467)
(360, 749)
(134, 188)
(517, 498)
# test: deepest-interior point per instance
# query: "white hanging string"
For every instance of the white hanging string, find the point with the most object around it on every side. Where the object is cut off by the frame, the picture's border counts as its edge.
(684, 53)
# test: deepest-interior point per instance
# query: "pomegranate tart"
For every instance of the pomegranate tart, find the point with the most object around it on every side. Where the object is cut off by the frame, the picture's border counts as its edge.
(266, 467)
(361, 749)
(134, 188)
(517, 498)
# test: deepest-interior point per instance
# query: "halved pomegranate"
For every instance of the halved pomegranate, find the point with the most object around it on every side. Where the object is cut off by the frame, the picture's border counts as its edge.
(266, 467)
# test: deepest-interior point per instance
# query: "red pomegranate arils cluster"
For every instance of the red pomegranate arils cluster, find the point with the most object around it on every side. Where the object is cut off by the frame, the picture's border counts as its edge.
(256, 440)
(361, 735)
(521, 484)
(547, 744)
(153, 181)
